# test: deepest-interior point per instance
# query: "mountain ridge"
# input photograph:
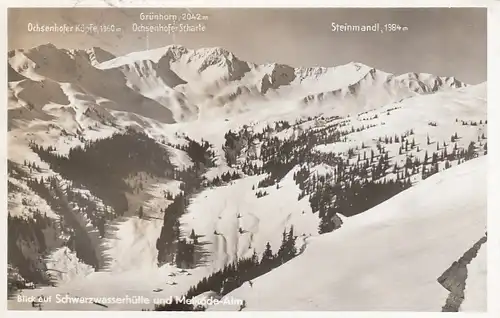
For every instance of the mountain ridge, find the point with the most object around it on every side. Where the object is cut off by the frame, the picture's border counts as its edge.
(210, 55)
(176, 84)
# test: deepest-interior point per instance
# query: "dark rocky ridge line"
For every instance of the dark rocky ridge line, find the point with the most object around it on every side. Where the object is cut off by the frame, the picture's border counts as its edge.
(455, 277)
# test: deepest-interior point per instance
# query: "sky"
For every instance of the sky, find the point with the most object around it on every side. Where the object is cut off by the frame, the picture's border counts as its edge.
(440, 41)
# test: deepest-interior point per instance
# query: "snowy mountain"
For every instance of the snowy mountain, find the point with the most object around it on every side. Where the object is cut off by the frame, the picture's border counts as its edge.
(189, 172)
(212, 82)
(388, 258)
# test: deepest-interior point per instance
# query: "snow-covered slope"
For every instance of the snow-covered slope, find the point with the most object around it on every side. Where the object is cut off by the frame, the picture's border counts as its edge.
(244, 223)
(388, 258)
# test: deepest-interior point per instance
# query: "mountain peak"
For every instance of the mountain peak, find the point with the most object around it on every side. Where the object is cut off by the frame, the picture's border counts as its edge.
(94, 54)
(100, 54)
(361, 67)
(46, 46)
(177, 50)
(214, 53)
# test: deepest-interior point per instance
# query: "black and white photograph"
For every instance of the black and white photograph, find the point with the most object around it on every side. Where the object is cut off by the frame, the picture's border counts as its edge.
(247, 159)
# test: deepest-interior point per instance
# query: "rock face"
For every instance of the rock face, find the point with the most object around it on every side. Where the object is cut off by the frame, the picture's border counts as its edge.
(280, 75)
(455, 277)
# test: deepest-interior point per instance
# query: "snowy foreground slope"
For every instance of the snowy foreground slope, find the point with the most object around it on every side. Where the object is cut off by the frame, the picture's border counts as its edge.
(388, 258)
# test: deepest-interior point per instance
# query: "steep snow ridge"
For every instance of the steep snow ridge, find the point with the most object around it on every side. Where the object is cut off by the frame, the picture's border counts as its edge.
(366, 265)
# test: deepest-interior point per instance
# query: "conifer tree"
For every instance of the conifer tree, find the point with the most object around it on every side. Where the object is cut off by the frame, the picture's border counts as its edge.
(447, 165)
(267, 256)
(282, 249)
(291, 249)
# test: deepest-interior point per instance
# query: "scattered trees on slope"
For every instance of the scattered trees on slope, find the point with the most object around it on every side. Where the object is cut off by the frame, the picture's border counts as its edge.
(101, 166)
(243, 270)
